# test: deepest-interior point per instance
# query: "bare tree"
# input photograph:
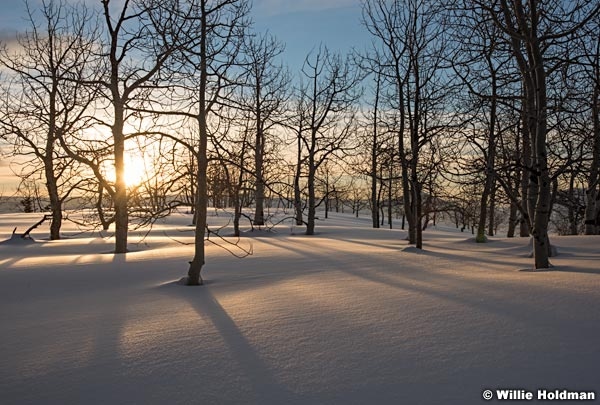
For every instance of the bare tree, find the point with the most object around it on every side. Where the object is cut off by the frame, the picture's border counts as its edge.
(591, 62)
(377, 137)
(268, 86)
(326, 97)
(141, 37)
(45, 96)
(479, 59)
(202, 86)
(375, 149)
(533, 27)
(410, 34)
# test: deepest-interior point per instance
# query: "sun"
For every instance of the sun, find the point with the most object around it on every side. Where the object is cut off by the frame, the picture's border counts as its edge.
(135, 170)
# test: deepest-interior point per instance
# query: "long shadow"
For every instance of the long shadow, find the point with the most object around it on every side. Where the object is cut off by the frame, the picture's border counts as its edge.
(8, 248)
(571, 269)
(426, 251)
(306, 249)
(553, 317)
(480, 261)
(303, 248)
(522, 252)
(263, 381)
(400, 243)
(9, 262)
(446, 287)
(498, 304)
(78, 357)
(107, 360)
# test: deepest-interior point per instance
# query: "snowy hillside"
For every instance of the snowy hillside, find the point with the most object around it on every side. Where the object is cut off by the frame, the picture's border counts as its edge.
(349, 316)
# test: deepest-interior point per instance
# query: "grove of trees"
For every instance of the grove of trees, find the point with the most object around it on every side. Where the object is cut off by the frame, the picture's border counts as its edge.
(474, 111)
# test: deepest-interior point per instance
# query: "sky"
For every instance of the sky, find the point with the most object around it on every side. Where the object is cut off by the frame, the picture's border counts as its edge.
(302, 25)
(308, 23)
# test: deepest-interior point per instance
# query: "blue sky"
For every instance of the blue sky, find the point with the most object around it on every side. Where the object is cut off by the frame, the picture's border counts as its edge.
(306, 24)
(301, 24)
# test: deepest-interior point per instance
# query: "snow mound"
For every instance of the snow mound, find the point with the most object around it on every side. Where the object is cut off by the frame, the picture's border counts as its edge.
(413, 249)
(16, 240)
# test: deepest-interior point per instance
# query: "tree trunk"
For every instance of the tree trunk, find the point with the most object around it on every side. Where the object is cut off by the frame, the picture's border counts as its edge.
(237, 213)
(418, 216)
(327, 200)
(197, 263)
(492, 214)
(55, 203)
(390, 208)
(483, 206)
(298, 202)
(374, 204)
(310, 221)
(572, 207)
(541, 247)
(259, 215)
(259, 212)
(525, 179)
(56, 221)
(48, 161)
(120, 199)
(409, 209)
(490, 161)
(297, 191)
(512, 220)
(592, 207)
(374, 155)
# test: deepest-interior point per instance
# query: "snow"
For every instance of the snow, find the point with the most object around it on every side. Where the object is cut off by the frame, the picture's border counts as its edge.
(349, 316)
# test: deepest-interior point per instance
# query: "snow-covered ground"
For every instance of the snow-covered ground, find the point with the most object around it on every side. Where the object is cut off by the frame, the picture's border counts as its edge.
(349, 316)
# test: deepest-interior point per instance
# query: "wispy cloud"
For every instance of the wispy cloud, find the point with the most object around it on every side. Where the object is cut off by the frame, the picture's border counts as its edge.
(275, 7)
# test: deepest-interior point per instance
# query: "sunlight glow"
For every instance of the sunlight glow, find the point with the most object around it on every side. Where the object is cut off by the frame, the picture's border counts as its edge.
(135, 170)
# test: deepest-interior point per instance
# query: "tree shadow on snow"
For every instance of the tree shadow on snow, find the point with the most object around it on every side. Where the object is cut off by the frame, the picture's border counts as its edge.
(263, 383)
